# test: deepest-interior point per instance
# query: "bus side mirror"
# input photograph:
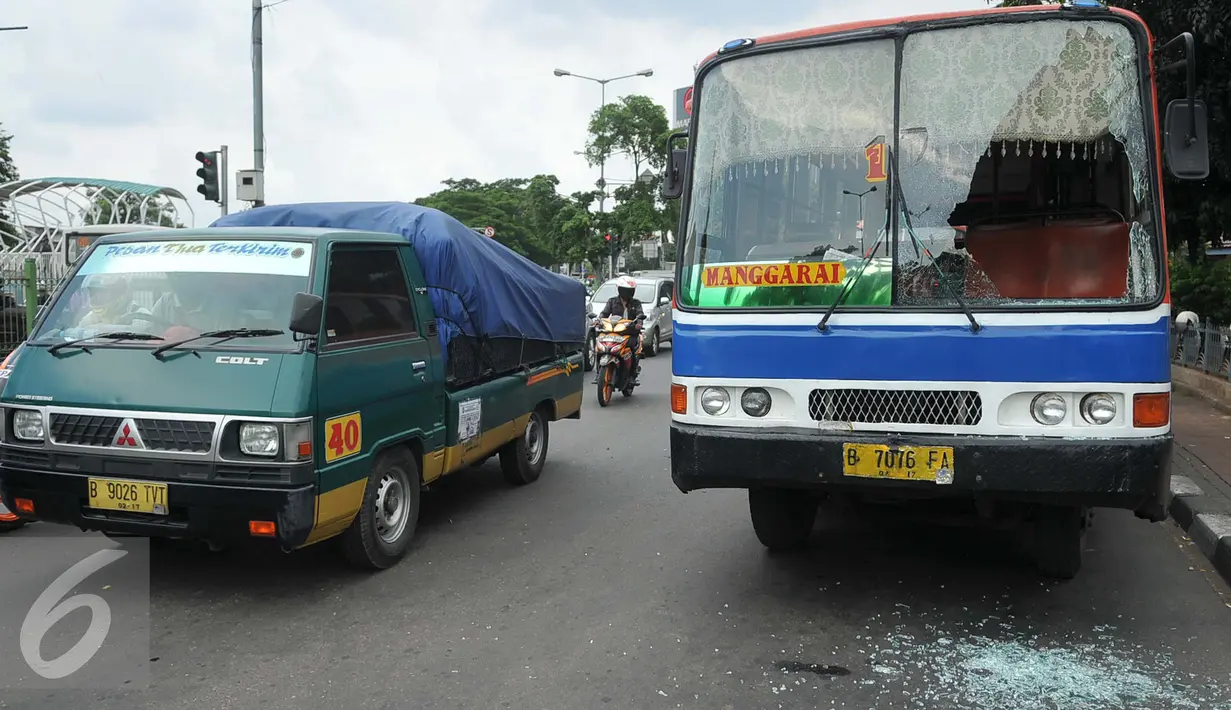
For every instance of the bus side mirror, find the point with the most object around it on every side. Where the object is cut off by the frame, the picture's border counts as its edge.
(1186, 139)
(306, 312)
(673, 176)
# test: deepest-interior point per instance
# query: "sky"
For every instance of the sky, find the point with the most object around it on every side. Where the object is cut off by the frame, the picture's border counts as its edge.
(363, 100)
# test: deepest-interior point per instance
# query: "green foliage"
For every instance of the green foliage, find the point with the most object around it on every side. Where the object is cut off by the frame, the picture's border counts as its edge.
(8, 173)
(1203, 287)
(110, 207)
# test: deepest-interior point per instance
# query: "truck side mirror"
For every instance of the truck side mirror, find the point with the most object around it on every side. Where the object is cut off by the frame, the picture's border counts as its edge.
(673, 176)
(306, 312)
(1186, 139)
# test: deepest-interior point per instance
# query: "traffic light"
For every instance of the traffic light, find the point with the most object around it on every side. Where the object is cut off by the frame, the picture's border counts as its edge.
(208, 173)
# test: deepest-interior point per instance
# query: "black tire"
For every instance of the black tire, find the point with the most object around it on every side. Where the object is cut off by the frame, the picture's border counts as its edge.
(522, 459)
(604, 390)
(652, 343)
(374, 541)
(781, 518)
(1058, 540)
(588, 355)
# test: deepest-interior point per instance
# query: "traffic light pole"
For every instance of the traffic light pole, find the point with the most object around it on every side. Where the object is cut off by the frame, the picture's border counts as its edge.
(223, 167)
(258, 95)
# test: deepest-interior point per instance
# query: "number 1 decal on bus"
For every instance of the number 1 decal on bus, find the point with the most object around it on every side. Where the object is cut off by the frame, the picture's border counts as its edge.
(343, 436)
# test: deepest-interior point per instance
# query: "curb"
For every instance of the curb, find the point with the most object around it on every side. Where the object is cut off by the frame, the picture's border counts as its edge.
(1204, 521)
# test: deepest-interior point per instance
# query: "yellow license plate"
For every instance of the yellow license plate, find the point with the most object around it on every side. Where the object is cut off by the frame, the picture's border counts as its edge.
(900, 463)
(128, 496)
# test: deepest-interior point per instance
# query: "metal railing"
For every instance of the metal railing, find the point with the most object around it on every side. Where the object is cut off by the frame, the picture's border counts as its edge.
(1206, 347)
(24, 288)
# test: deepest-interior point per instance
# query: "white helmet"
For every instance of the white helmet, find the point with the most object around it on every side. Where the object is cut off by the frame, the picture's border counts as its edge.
(626, 286)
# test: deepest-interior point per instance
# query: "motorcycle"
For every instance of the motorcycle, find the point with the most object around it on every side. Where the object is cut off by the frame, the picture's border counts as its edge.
(613, 354)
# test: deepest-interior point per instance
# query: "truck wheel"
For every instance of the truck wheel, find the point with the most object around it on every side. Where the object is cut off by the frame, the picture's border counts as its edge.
(385, 524)
(782, 519)
(522, 459)
(1058, 540)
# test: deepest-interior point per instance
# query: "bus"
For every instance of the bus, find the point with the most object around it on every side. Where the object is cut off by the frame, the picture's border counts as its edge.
(996, 339)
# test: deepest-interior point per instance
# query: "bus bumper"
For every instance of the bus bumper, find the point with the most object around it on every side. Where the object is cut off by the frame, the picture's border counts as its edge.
(1108, 473)
(201, 511)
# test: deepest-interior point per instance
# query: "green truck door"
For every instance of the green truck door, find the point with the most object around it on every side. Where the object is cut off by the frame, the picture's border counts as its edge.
(376, 379)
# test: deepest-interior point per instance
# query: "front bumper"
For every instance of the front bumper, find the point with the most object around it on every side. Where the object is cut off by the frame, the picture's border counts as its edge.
(1132, 474)
(206, 511)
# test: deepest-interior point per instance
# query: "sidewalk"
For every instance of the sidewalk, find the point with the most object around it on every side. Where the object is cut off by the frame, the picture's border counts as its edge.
(1201, 475)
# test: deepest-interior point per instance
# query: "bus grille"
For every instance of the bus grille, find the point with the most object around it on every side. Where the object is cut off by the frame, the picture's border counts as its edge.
(873, 406)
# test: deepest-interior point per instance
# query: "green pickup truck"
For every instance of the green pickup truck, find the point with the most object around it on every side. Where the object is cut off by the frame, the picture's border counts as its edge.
(289, 374)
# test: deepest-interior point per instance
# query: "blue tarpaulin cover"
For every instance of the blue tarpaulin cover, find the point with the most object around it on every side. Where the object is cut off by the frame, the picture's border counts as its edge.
(478, 286)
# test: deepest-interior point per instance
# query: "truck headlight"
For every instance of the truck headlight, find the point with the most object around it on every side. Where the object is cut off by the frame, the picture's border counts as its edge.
(1098, 408)
(259, 439)
(715, 401)
(28, 425)
(1049, 409)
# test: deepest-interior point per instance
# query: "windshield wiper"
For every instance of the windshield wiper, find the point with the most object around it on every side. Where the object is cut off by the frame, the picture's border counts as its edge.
(118, 335)
(224, 335)
(850, 283)
(910, 229)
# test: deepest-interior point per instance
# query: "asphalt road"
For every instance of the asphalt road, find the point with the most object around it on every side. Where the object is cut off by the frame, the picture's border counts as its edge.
(601, 586)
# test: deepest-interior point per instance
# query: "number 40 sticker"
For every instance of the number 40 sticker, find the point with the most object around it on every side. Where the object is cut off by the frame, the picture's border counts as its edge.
(343, 436)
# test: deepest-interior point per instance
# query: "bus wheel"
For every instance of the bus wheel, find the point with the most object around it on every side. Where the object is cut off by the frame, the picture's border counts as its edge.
(385, 524)
(781, 518)
(1058, 540)
(522, 459)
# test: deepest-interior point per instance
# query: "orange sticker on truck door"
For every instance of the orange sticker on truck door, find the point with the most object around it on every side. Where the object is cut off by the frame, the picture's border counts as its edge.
(343, 436)
(816, 273)
(875, 154)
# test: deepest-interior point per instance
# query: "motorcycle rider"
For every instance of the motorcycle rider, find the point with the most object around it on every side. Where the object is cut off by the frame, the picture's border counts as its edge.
(624, 304)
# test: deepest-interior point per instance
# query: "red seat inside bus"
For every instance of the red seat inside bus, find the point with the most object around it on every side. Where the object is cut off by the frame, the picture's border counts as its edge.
(1076, 258)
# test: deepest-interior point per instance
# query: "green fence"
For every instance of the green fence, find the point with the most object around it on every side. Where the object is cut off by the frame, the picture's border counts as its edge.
(23, 289)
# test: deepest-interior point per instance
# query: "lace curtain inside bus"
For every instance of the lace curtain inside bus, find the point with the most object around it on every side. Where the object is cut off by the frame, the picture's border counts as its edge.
(1024, 165)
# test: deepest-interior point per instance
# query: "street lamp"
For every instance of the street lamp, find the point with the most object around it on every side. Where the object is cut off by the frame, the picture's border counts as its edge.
(10, 29)
(860, 195)
(602, 164)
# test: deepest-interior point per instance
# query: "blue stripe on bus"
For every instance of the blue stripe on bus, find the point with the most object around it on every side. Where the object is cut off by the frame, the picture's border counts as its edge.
(1117, 353)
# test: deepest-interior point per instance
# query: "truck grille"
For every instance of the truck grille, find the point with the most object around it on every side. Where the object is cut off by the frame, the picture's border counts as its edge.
(875, 406)
(156, 434)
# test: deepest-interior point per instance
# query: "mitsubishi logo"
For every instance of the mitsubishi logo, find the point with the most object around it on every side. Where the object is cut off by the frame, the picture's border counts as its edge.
(128, 436)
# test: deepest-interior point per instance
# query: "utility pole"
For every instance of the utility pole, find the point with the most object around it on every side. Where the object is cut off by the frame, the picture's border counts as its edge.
(223, 166)
(258, 99)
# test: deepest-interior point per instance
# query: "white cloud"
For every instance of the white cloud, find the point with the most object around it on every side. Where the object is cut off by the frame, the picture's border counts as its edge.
(373, 99)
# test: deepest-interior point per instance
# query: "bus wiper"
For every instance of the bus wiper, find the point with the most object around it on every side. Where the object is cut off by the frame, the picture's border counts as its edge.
(910, 229)
(850, 283)
(225, 335)
(117, 335)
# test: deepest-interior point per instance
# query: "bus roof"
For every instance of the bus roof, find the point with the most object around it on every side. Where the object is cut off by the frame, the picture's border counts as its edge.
(914, 19)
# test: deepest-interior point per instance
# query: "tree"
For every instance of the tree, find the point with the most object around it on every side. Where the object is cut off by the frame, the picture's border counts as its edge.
(111, 207)
(637, 127)
(505, 205)
(8, 173)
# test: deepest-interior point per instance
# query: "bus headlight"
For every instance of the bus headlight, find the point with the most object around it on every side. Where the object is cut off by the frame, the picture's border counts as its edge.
(1098, 408)
(755, 402)
(1048, 408)
(715, 401)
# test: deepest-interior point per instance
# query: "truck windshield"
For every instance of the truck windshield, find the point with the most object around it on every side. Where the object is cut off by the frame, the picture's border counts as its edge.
(1024, 171)
(178, 289)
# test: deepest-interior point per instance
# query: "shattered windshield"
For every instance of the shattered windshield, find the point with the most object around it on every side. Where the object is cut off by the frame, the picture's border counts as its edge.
(1024, 173)
(1024, 166)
